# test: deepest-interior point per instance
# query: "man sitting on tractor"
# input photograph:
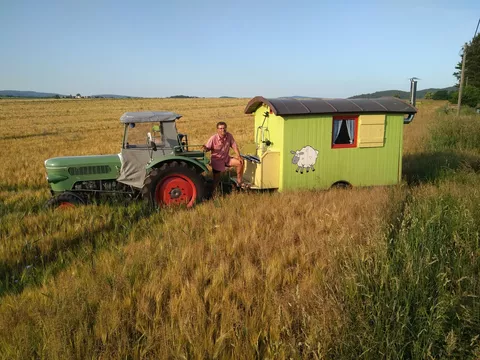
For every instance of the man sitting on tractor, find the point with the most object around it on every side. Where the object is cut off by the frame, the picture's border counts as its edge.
(220, 144)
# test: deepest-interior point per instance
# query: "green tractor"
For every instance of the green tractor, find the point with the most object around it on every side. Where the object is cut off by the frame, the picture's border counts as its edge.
(155, 162)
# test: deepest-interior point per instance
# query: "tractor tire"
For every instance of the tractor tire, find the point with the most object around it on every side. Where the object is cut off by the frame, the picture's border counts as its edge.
(174, 183)
(64, 201)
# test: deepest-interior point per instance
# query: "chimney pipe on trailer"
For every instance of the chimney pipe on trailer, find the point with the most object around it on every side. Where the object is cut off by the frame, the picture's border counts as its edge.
(413, 99)
(413, 91)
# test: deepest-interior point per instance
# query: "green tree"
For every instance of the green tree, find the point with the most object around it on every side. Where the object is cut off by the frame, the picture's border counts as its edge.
(472, 64)
(429, 95)
(470, 96)
(441, 95)
(453, 99)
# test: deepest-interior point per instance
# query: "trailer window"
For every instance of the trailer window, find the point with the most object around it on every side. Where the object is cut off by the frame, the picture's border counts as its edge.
(344, 131)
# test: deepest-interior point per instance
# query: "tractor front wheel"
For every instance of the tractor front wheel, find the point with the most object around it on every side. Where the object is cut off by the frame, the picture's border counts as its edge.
(65, 201)
(174, 183)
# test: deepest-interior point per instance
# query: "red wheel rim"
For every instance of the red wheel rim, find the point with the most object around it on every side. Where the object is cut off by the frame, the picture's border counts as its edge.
(65, 205)
(176, 189)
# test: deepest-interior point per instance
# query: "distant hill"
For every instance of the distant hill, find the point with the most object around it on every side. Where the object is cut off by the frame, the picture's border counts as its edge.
(29, 94)
(183, 97)
(399, 93)
(36, 94)
(111, 96)
(300, 97)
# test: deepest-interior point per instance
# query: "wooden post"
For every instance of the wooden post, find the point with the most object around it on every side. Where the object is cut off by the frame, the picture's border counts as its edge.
(462, 76)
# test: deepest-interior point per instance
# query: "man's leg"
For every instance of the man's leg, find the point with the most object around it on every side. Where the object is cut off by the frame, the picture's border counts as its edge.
(216, 179)
(238, 165)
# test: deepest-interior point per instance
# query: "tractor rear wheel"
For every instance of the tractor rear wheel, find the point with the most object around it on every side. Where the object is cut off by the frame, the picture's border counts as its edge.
(174, 183)
(64, 201)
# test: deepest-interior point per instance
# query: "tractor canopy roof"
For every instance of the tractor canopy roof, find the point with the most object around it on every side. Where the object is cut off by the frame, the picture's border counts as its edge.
(293, 106)
(149, 116)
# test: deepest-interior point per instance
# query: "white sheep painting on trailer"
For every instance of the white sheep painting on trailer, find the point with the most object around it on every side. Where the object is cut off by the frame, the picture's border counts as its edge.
(305, 158)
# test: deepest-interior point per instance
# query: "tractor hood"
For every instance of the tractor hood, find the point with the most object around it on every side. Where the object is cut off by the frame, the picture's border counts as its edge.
(64, 172)
(80, 161)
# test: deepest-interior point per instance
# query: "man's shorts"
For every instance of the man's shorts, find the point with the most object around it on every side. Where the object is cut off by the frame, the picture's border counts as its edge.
(218, 166)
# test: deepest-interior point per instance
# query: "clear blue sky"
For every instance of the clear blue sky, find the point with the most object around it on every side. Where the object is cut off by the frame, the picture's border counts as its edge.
(237, 48)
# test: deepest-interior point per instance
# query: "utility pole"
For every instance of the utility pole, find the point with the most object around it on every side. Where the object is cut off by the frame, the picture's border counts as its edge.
(461, 79)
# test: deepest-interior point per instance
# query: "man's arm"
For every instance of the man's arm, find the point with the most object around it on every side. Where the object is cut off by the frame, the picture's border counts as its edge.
(209, 145)
(236, 149)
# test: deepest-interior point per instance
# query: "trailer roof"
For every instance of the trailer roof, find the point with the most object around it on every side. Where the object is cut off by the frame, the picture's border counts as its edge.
(149, 116)
(293, 106)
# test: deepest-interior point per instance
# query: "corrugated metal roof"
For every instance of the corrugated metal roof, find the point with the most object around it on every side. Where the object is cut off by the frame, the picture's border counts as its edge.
(149, 116)
(292, 106)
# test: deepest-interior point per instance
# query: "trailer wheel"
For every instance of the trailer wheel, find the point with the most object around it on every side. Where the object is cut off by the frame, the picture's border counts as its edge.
(65, 201)
(341, 185)
(174, 183)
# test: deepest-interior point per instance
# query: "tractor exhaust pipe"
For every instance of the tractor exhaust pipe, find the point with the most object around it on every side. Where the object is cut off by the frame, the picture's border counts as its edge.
(413, 99)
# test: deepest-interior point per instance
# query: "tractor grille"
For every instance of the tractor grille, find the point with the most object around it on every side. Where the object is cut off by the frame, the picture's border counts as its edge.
(89, 170)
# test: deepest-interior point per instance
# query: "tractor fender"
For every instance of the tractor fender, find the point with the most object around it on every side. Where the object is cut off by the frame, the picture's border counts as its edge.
(200, 166)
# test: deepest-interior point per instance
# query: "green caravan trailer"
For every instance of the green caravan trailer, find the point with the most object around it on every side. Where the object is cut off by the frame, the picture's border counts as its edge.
(319, 143)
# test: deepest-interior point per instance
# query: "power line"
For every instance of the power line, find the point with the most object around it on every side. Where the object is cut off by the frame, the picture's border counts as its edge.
(476, 29)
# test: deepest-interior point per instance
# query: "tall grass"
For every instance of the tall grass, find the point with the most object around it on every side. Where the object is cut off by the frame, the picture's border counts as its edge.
(450, 144)
(418, 295)
(456, 133)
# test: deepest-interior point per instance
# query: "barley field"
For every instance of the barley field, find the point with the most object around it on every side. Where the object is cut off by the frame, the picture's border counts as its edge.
(381, 272)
